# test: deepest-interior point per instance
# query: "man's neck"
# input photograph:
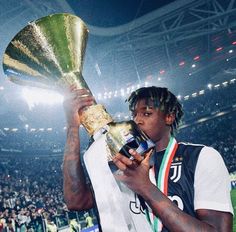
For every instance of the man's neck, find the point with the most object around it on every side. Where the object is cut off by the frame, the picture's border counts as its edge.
(163, 143)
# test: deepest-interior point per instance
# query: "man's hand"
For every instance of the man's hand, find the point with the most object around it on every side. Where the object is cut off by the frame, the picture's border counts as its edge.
(135, 172)
(76, 100)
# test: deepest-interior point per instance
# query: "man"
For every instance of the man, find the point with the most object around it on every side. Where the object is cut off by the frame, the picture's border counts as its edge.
(182, 187)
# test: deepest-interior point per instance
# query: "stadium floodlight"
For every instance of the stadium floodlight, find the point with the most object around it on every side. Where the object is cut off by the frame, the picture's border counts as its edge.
(36, 96)
(209, 86)
(232, 80)
(201, 92)
(186, 97)
(122, 92)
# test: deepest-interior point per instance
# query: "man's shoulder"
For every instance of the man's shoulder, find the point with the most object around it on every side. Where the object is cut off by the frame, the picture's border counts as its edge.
(189, 152)
(190, 147)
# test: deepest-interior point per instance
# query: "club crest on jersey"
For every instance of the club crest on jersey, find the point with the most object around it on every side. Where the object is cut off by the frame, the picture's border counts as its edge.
(175, 169)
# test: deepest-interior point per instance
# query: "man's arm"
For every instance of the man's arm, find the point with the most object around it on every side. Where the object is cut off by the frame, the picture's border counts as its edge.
(137, 179)
(77, 193)
(176, 220)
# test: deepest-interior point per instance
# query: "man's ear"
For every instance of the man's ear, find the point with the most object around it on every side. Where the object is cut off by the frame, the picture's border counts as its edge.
(170, 118)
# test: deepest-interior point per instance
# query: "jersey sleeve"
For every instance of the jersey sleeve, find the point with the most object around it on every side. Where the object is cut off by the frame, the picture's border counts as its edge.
(212, 182)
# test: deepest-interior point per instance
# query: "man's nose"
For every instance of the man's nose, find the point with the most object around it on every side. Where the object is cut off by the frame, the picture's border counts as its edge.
(138, 120)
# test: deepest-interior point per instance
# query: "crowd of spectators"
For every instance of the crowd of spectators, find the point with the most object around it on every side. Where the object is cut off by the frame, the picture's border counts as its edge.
(31, 197)
(30, 191)
(211, 102)
(218, 132)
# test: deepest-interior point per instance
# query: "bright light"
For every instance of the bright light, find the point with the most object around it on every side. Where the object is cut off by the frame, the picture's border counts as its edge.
(231, 51)
(1, 88)
(14, 129)
(209, 86)
(181, 63)
(196, 58)
(122, 92)
(217, 86)
(194, 94)
(6, 129)
(225, 83)
(49, 129)
(36, 96)
(219, 49)
(186, 97)
(193, 65)
(99, 96)
(232, 80)
(159, 79)
(201, 92)
(179, 97)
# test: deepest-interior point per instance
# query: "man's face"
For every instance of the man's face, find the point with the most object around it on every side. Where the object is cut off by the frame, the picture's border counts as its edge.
(150, 120)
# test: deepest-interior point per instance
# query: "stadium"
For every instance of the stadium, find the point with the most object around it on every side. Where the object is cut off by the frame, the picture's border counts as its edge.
(188, 46)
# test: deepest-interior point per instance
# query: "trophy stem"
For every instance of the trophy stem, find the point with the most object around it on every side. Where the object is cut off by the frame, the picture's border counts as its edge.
(95, 117)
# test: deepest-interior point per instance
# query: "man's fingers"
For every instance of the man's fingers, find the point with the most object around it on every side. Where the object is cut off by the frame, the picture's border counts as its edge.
(136, 156)
(147, 157)
(119, 164)
(122, 159)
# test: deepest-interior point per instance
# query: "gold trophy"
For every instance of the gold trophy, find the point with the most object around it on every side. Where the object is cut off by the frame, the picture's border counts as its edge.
(49, 53)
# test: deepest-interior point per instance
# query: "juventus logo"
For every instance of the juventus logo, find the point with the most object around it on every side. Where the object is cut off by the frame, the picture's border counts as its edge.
(176, 171)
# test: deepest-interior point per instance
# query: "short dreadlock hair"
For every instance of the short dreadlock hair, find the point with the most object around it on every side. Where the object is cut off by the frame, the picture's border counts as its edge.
(161, 98)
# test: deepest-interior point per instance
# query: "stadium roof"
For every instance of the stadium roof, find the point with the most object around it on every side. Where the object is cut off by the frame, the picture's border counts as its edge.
(182, 44)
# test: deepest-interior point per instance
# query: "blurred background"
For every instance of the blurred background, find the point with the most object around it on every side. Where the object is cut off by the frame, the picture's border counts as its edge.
(188, 46)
